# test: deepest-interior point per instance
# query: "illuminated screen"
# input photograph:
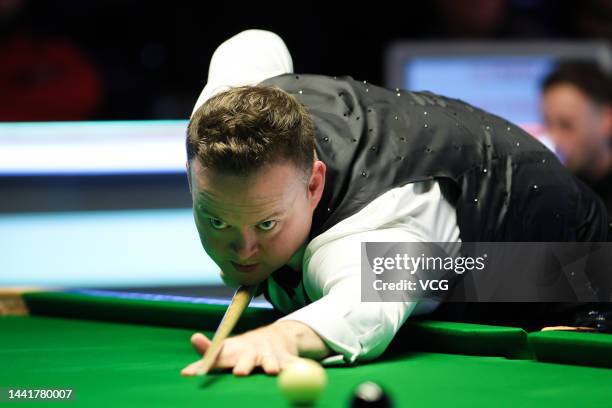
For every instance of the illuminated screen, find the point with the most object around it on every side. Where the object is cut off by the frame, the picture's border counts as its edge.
(92, 148)
(501, 77)
(98, 204)
(505, 86)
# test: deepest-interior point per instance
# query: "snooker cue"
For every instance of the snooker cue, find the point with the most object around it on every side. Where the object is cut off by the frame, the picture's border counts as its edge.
(239, 303)
(12, 302)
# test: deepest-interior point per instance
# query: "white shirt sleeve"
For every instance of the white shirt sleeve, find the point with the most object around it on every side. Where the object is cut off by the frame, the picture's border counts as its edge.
(356, 330)
(247, 58)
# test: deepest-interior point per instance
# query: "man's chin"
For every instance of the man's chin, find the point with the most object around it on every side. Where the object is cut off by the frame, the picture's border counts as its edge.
(250, 280)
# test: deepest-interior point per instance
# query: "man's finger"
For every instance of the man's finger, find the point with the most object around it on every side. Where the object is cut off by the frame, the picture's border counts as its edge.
(245, 364)
(191, 369)
(269, 363)
(200, 343)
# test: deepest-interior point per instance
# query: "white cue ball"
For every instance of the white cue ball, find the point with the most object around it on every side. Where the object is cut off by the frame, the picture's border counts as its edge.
(302, 381)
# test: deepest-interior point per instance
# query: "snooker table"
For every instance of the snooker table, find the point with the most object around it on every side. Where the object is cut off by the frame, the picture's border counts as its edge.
(122, 350)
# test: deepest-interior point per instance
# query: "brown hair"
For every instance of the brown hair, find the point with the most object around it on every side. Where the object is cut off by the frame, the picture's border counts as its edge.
(587, 76)
(243, 129)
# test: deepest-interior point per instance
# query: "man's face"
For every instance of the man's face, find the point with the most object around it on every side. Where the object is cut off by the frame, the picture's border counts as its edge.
(260, 219)
(579, 128)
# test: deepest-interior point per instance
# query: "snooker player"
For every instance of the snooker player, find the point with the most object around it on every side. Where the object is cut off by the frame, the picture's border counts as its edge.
(577, 110)
(289, 173)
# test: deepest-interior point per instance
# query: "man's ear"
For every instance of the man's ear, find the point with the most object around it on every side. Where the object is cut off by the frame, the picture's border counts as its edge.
(316, 183)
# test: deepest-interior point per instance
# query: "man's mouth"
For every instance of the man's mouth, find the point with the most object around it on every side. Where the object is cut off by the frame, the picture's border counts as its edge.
(244, 267)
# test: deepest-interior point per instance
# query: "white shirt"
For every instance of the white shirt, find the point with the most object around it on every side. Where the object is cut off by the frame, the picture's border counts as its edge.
(414, 212)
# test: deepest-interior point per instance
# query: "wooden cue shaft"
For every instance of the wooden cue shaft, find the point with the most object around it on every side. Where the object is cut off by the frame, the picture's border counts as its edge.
(12, 301)
(239, 303)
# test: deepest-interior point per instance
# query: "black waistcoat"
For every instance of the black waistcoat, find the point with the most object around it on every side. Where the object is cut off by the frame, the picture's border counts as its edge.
(505, 185)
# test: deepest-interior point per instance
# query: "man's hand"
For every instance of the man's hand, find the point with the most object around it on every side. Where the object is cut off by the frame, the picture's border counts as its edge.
(270, 347)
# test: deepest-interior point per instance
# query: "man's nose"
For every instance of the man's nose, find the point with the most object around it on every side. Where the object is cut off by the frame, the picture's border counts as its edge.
(245, 245)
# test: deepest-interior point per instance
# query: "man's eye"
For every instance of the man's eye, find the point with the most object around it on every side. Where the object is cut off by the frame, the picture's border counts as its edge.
(217, 224)
(267, 225)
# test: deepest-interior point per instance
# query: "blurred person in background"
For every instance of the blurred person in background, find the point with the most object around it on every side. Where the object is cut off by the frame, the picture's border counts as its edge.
(42, 77)
(577, 110)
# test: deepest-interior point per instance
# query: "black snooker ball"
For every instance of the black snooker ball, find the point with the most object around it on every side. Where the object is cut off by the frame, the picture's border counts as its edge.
(370, 395)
